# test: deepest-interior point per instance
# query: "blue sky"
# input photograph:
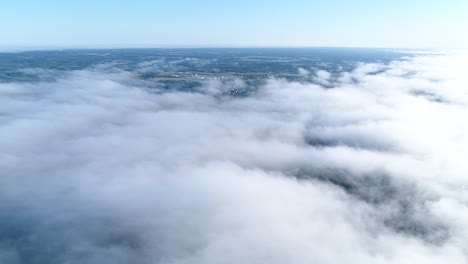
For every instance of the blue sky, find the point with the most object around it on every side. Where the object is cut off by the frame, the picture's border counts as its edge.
(145, 23)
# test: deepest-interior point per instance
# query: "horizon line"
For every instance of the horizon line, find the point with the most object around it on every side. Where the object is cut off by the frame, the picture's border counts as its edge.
(19, 48)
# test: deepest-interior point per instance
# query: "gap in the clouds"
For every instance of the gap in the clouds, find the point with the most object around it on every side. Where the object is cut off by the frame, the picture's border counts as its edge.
(432, 97)
(399, 205)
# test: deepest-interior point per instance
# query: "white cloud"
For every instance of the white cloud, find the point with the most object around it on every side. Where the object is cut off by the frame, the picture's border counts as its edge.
(303, 71)
(99, 168)
(322, 77)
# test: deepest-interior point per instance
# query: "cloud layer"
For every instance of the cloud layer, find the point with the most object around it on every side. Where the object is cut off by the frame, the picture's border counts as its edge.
(366, 166)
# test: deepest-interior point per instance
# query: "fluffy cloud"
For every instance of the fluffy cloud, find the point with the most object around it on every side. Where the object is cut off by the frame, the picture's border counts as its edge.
(98, 167)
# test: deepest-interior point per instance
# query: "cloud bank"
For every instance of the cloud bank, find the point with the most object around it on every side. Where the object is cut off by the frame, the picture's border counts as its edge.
(98, 167)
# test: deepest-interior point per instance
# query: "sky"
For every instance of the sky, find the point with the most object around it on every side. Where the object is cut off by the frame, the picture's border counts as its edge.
(155, 23)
